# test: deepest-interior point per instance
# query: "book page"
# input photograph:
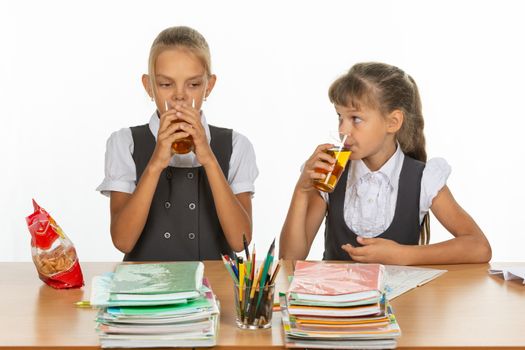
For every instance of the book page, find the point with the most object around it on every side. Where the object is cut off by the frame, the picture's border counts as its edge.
(401, 279)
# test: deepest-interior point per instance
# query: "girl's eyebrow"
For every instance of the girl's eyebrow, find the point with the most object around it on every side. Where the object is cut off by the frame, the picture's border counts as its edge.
(195, 77)
(163, 76)
(168, 78)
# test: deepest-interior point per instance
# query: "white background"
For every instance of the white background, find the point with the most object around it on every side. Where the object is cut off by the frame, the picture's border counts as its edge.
(70, 75)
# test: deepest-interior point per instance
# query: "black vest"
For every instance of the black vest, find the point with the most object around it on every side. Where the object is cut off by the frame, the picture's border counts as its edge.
(405, 227)
(182, 223)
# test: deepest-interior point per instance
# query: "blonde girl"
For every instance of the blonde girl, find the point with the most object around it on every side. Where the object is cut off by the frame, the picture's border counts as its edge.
(379, 209)
(170, 206)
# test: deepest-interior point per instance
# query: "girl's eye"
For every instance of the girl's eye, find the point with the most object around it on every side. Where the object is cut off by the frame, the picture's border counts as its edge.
(356, 119)
(164, 85)
(194, 84)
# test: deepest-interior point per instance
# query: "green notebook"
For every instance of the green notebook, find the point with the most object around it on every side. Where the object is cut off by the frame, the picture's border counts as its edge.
(157, 278)
(195, 305)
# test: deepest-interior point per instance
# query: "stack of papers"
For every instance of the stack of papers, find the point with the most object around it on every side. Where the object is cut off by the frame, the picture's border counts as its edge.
(338, 306)
(509, 273)
(155, 305)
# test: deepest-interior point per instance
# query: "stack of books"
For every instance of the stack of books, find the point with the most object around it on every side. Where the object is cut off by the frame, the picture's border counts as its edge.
(155, 305)
(338, 306)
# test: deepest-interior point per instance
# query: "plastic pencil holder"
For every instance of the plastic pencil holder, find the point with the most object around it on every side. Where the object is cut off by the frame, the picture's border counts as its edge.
(253, 312)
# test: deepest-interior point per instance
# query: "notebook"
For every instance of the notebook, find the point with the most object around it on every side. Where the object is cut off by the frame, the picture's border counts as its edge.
(336, 282)
(157, 278)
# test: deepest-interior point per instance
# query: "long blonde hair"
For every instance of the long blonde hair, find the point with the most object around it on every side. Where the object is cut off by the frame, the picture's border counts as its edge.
(178, 37)
(387, 88)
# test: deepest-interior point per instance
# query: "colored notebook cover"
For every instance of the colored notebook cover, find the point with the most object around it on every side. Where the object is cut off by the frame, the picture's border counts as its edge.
(322, 278)
(379, 330)
(157, 278)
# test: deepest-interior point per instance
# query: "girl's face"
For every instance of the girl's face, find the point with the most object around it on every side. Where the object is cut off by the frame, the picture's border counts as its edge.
(370, 135)
(180, 78)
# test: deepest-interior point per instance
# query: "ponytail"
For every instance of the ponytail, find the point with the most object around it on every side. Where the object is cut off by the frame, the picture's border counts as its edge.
(411, 136)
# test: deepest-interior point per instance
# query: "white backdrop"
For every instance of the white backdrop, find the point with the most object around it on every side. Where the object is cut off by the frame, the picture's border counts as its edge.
(70, 75)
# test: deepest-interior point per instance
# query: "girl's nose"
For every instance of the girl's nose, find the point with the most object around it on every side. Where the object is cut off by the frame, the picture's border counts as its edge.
(178, 97)
(345, 131)
(345, 128)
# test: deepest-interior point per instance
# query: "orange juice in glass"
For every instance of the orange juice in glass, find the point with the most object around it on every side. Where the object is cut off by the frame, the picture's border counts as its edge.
(184, 145)
(341, 153)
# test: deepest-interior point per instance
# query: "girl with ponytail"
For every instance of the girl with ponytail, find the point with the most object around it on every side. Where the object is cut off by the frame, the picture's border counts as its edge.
(379, 209)
(179, 187)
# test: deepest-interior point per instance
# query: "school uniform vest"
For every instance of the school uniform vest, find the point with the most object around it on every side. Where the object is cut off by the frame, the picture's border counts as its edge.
(405, 227)
(182, 223)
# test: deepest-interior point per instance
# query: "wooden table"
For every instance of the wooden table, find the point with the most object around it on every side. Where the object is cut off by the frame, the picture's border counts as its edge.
(465, 307)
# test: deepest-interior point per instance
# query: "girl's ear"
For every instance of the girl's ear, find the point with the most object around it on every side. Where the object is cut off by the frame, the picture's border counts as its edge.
(211, 83)
(395, 121)
(147, 84)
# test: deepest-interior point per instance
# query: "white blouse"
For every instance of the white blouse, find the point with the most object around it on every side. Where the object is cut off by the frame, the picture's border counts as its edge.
(371, 196)
(120, 172)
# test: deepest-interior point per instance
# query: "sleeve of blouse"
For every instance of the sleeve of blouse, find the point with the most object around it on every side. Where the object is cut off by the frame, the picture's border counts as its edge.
(119, 167)
(434, 178)
(243, 168)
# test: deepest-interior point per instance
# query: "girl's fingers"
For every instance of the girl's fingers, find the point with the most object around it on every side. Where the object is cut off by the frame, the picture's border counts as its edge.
(353, 251)
(188, 119)
(166, 119)
(321, 167)
(190, 129)
(170, 129)
(320, 153)
(169, 139)
(178, 135)
(315, 175)
(188, 110)
(324, 158)
(323, 147)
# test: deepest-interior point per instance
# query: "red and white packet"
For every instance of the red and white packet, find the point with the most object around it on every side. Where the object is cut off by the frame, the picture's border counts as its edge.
(53, 253)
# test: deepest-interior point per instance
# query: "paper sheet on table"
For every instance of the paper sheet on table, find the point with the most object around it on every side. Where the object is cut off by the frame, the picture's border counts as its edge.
(510, 273)
(401, 279)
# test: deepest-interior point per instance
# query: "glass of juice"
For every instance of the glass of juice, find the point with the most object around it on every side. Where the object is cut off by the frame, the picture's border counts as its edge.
(184, 145)
(341, 153)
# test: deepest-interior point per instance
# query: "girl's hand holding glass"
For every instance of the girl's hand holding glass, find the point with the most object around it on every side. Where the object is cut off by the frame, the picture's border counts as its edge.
(183, 144)
(190, 119)
(169, 132)
(338, 153)
(320, 159)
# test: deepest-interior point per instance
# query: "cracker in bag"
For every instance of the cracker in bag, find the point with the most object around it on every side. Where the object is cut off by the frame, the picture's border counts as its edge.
(53, 253)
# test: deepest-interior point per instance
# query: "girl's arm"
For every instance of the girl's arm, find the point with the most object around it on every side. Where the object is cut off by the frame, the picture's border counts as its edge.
(129, 212)
(469, 244)
(234, 211)
(307, 208)
(305, 215)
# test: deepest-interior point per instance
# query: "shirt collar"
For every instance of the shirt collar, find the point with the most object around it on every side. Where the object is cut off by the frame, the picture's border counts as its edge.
(391, 169)
(154, 125)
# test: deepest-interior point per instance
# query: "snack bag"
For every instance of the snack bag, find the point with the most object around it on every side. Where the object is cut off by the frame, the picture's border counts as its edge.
(53, 253)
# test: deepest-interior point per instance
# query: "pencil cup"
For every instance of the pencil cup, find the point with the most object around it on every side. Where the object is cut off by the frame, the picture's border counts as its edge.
(253, 309)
